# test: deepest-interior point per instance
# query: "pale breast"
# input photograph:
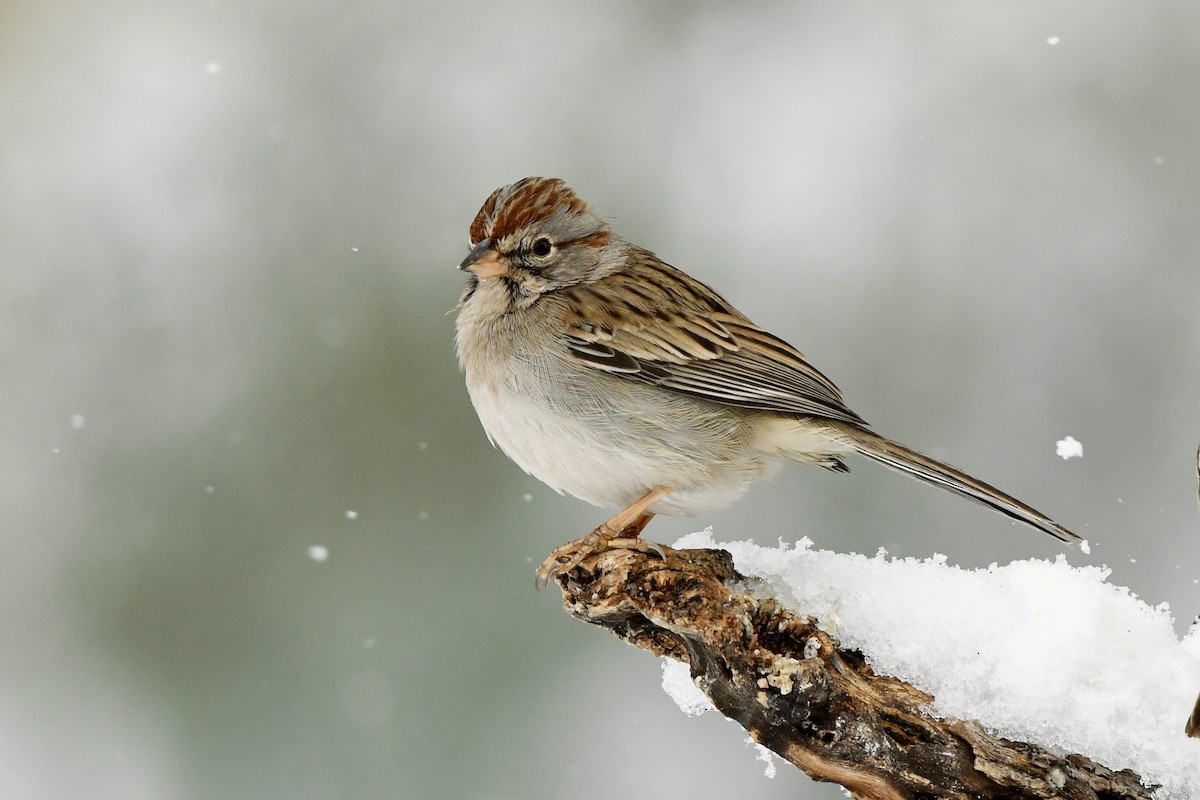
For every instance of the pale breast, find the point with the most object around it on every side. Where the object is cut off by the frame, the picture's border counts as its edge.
(602, 438)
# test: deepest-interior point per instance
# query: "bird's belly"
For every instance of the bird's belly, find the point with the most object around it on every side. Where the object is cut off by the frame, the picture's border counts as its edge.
(610, 447)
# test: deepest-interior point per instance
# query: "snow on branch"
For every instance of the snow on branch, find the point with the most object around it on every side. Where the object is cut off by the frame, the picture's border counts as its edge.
(818, 700)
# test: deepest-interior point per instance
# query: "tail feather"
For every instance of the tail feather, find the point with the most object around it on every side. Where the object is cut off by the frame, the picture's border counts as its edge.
(898, 457)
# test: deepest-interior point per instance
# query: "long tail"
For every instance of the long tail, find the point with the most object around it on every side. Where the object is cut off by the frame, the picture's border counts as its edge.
(930, 470)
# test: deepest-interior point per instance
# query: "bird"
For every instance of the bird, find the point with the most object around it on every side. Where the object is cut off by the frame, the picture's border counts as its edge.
(617, 378)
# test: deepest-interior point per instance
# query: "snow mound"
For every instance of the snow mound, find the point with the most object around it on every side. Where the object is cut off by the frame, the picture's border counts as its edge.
(1035, 650)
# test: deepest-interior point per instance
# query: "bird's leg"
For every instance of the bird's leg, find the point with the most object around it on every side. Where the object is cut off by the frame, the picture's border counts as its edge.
(621, 531)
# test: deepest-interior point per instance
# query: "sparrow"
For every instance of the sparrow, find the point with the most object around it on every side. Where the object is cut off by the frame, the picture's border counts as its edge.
(612, 376)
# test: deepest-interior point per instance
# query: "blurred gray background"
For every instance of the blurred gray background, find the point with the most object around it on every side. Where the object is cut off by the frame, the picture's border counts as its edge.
(228, 239)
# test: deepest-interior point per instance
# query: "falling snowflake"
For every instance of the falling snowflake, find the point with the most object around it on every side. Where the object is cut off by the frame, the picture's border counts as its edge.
(1069, 448)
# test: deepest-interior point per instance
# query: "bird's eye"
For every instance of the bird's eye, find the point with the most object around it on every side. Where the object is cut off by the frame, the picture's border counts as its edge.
(542, 247)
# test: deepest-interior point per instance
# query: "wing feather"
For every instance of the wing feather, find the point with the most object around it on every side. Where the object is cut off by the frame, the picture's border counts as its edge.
(651, 323)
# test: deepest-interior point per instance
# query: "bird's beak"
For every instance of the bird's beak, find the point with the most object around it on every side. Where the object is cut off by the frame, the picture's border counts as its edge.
(484, 262)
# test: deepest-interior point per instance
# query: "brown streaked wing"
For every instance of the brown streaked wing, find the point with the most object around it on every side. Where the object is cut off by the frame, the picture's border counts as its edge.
(651, 323)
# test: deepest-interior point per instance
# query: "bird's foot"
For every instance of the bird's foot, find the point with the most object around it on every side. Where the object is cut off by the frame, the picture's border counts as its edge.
(566, 558)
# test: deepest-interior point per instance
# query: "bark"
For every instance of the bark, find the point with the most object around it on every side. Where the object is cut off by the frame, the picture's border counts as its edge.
(816, 705)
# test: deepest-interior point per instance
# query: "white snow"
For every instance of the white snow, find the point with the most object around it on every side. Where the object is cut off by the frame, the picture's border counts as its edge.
(1035, 650)
(677, 682)
(351, 514)
(318, 552)
(764, 755)
(1068, 448)
(1053, 40)
(77, 421)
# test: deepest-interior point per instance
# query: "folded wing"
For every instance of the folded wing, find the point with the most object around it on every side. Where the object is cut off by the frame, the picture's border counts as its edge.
(651, 324)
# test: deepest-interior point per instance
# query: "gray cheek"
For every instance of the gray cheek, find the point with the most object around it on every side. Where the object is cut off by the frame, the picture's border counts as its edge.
(569, 268)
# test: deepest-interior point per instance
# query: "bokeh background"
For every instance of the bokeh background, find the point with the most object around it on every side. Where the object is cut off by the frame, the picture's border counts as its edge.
(228, 239)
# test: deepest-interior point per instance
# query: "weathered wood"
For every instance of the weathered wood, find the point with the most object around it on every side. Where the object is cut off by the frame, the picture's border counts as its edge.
(816, 705)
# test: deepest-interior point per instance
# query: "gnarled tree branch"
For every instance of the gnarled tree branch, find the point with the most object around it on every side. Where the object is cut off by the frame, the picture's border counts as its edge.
(814, 704)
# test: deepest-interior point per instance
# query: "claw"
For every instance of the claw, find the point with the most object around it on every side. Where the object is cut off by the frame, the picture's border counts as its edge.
(641, 545)
(566, 558)
(621, 531)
